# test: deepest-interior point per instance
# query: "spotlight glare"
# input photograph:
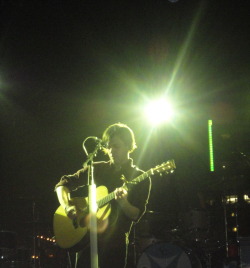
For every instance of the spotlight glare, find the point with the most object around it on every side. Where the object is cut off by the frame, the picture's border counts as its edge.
(158, 111)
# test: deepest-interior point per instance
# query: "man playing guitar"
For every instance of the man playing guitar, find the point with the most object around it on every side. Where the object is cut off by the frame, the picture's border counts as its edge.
(127, 207)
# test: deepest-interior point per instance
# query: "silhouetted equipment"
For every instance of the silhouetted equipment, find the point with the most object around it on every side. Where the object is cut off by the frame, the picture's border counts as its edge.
(28, 242)
(216, 236)
(8, 243)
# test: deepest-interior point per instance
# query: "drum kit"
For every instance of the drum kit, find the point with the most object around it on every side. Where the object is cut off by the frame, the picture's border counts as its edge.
(191, 243)
(199, 238)
(157, 246)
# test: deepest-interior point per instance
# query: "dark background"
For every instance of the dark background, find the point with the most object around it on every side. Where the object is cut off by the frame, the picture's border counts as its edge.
(68, 69)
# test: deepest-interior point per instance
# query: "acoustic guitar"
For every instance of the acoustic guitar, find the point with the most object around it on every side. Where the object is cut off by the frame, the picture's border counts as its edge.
(68, 233)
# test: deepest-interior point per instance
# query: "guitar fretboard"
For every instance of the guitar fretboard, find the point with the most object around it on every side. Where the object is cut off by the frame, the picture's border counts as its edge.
(166, 167)
(105, 200)
(111, 196)
(142, 177)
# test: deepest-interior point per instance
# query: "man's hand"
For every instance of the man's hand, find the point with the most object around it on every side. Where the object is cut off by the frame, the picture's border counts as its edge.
(121, 195)
(71, 211)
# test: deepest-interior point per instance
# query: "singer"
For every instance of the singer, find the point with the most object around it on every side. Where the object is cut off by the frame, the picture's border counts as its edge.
(127, 207)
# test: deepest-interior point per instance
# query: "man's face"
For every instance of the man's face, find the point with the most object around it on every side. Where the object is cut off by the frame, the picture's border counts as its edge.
(118, 150)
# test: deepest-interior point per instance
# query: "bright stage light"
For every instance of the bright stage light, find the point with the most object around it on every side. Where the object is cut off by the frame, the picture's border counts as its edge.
(159, 111)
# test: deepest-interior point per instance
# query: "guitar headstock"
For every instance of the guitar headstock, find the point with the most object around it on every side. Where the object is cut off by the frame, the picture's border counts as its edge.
(166, 167)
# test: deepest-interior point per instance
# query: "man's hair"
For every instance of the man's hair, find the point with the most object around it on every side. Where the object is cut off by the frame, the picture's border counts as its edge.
(123, 132)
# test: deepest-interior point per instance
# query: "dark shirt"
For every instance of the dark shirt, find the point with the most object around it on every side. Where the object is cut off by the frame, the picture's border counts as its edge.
(115, 237)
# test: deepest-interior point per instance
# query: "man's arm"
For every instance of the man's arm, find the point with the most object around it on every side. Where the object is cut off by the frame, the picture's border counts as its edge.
(67, 184)
(63, 195)
(130, 211)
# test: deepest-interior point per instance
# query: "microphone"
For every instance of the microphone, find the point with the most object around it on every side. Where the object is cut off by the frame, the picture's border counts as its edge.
(100, 142)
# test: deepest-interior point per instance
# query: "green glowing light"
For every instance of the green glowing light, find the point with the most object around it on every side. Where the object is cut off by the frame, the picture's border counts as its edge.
(210, 145)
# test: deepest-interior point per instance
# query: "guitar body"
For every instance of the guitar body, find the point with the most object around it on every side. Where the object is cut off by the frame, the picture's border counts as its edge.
(69, 233)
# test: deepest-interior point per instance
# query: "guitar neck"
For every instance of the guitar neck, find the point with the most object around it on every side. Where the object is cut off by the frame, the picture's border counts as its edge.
(142, 177)
(111, 196)
(167, 167)
(105, 200)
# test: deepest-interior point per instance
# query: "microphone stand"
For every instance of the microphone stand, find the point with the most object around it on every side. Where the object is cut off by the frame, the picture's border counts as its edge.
(92, 205)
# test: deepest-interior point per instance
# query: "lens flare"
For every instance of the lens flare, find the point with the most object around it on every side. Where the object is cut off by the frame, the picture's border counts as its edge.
(159, 111)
